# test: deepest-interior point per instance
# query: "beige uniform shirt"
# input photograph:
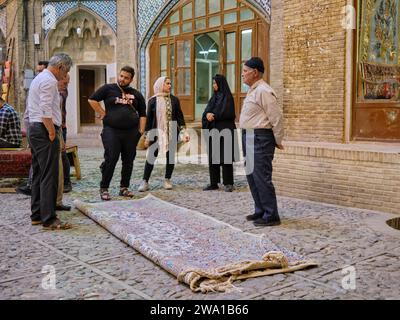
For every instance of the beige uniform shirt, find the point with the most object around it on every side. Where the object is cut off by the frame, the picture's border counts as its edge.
(261, 111)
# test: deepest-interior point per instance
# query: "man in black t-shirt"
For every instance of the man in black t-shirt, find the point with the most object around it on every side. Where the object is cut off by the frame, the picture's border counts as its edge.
(124, 120)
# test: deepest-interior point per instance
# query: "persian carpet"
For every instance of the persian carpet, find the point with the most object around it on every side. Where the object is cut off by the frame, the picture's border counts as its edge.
(199, 250)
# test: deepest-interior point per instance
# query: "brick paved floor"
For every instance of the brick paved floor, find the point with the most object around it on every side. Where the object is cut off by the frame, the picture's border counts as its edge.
(92, 264)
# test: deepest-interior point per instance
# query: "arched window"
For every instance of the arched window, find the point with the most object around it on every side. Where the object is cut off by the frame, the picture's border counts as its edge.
(201, 38)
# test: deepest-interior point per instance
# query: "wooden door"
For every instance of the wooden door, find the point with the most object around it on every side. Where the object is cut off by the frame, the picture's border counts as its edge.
(86, 89)
(183, 74)
(247, 48)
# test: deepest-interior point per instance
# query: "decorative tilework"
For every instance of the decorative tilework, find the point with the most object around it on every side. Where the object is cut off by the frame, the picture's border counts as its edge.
(3, 22)
(151, 13)
(53, 11)
(105, 9)
(147, 10)
(265, 5)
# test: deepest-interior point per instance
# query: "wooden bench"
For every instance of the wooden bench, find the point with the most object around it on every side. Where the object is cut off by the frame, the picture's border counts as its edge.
(15, 163)
(72, 153)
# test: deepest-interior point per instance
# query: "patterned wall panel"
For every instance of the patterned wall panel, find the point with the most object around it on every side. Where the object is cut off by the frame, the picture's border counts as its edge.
(147, 10)
(53, 11)
(152, 12)
(3, 21)
(105, 9)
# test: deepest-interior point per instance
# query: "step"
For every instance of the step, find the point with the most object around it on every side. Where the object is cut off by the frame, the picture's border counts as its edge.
(90, 129)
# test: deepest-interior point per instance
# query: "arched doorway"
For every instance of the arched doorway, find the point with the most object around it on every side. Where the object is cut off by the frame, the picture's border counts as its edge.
(200, 38)
(91, 44)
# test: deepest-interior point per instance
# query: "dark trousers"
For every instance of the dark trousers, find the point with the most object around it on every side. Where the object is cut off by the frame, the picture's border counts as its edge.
(29, 182)
(45, 159)
(215, 173)
(148, 168)
(259, 147)
(118, 142)
(65, 161)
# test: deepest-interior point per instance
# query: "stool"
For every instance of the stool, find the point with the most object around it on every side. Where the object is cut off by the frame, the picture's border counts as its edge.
(73, 151)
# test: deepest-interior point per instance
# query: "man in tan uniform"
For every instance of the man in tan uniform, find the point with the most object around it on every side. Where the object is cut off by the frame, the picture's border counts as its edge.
(262, 122)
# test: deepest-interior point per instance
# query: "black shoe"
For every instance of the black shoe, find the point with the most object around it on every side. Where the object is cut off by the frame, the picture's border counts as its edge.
(63, 207)
(24, 190)
(228, 188)
(211, 187)
(265, 223)
(253, 217)
(67, 187)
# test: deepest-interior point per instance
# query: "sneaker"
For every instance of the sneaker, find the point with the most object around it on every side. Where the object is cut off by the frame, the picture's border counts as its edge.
(26, 190)
(144, 186)
(167, 184)
(67, 187)
(211, 187)
(228, 188)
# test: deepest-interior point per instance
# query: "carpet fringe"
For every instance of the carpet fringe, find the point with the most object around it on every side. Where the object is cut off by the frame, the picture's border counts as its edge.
(221, 279)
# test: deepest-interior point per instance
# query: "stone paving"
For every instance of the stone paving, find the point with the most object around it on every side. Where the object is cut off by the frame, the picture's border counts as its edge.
(90, 263)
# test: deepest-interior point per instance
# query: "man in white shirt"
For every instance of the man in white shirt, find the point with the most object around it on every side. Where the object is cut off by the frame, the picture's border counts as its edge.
(26, 187)
(44, 123)
(262, 122)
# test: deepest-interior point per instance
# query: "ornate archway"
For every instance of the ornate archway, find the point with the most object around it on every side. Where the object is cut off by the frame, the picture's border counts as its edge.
(151, 17)
(235, 29)
(86, 37)
(91, 43)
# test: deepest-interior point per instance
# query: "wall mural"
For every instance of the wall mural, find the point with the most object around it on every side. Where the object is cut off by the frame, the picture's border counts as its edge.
(379, 60)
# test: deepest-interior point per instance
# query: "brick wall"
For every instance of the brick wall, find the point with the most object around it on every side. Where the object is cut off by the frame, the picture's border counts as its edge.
(126, 33)
(314, 70)
(340, 174)
(276, 38)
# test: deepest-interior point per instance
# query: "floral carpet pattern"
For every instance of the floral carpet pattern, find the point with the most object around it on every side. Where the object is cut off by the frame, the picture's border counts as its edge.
(200, 251)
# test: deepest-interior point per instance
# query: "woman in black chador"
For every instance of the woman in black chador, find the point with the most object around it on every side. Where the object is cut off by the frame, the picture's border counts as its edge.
(220, 115)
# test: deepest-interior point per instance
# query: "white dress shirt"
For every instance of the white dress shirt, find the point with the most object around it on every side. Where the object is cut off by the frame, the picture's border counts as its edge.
(44, 99)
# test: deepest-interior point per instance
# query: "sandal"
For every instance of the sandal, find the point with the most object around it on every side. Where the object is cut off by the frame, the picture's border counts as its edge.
(36, 222)
(58, 225)
(124, 192)
(105, 195)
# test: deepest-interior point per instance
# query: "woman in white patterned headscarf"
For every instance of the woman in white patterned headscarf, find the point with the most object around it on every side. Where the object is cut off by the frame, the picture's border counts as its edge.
(164, 114)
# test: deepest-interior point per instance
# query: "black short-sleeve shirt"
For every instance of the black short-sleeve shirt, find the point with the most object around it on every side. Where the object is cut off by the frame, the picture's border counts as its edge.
(123, 109)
